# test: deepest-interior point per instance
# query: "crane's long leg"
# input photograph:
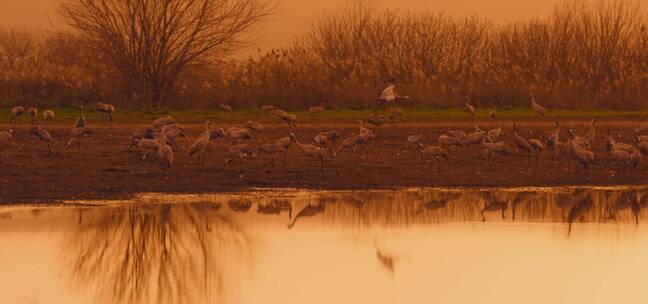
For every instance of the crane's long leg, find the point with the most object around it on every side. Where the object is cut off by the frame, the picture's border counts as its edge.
(403, 149)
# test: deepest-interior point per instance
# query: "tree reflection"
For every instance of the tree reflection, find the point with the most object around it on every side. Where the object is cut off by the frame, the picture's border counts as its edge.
(154, 253)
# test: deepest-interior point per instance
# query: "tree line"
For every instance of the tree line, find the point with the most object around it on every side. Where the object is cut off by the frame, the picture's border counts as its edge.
(586, 54)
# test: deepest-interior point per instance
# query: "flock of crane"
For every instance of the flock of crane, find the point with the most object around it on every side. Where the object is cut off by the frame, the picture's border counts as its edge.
(161, 138)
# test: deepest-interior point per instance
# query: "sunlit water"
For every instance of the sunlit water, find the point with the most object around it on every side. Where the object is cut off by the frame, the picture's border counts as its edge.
(333, 247)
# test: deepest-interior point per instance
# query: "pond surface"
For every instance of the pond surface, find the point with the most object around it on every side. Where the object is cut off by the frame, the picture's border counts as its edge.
(289, 246)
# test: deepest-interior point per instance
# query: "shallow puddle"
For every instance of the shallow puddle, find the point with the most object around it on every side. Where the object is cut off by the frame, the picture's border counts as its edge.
(289, 246)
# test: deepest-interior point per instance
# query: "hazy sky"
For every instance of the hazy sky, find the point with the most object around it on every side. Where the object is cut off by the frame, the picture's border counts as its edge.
(293, 17)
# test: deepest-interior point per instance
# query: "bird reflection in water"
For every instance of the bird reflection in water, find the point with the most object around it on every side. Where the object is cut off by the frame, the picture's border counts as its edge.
(520, 199)
(139, 254)
(578, 212)
(312, 209)
(240, 205)
(419, 206)
(5, 215)
(493, 204)
(275, 207)
(625, 202)
(432, 206)
(387, 261)
(154, 253)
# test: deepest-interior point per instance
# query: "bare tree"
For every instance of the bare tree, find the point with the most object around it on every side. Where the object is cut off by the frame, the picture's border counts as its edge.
(14, 45)
(151, 43)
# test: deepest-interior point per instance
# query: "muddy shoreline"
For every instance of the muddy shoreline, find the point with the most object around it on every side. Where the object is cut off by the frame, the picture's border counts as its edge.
(107, 171)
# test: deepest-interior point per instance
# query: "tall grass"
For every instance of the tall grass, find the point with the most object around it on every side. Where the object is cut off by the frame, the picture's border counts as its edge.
(586, 54)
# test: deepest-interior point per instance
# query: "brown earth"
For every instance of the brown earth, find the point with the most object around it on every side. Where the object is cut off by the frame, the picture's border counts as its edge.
(28, 174)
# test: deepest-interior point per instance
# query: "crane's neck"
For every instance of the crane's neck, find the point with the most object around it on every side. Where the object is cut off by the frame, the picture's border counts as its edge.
(293, 138)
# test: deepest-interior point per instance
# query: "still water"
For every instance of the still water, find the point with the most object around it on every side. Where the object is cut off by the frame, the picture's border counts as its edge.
(289, 246)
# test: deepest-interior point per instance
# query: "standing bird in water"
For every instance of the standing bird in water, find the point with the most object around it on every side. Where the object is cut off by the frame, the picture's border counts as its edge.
(536, 144)
(201, 145)
(470, 109)
(325, 140)
(285, 143)
(553, 139)
(520, 142)
(44, 136)
(241, 152)
(145, 133)
(161, 122)
(15, 113)
(269, 150)
(107, 109)
(591, 135)
(76, 134)
(33, 111)
(81, 120)
(290, 119)
(436, 152)
(165, 152)
(173, 132)
(311, 151)
(255, 127)
(540, 110)
(413, 141)
(582, 155)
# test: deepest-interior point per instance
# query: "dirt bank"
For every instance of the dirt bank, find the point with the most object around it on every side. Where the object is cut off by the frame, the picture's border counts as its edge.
(106, 170)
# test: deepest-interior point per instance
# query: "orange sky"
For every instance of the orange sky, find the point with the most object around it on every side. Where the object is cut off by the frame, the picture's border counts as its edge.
(292, 17)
